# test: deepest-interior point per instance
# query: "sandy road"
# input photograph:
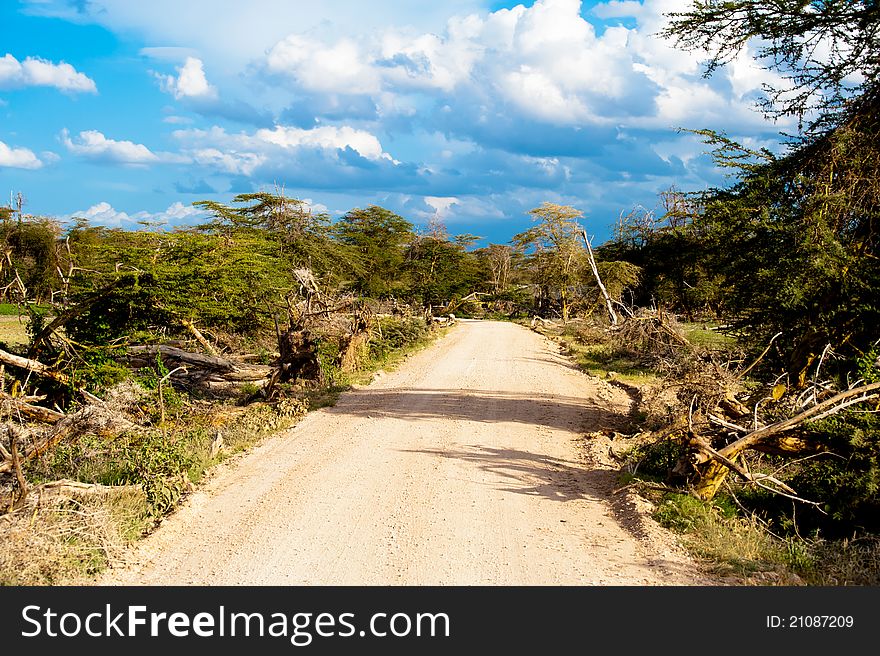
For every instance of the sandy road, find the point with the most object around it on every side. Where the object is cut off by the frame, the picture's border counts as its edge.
(462, 467)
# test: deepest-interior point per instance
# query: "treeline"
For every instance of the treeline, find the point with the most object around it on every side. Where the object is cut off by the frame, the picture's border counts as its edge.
(231, 272)
(238, 272)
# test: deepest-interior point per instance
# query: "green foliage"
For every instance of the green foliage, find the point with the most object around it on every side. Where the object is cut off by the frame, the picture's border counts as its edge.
(37, 320)
(674, 268)
(158, 465)
(848, 485)
(151, 281)
(98, 369)
(869, 365)
(377, 238)
(283, 231)
(683, 513)
(805, 261)
(498, 265)
(618, 276)
(398, 334)
(328, 358)
(656, 460)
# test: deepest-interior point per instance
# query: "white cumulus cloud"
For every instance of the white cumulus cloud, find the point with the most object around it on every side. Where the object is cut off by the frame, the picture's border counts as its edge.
(18, 158)
(105, 214)
(243, 153)
(544, 63)
(36, 72)
(93, 145)
(190, 81)
(326, 137)
(338, 67)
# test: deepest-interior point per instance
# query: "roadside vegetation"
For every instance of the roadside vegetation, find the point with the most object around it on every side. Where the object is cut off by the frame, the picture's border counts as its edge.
(750, 340)
(743, 320)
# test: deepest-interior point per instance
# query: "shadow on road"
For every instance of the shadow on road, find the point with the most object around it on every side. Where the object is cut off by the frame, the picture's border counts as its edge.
(533, 474)
(482, 406)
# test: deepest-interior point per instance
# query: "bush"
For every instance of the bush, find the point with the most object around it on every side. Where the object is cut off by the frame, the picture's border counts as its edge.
(848, 485)
(397, 334)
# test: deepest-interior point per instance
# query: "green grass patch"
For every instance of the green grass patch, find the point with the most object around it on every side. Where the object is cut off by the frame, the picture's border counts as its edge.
(731, 546)
(707, 336)
(10, 310)
(742, 548)
(603, 361)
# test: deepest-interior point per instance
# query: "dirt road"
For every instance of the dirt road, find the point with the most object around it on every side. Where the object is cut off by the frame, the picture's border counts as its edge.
(464, 466)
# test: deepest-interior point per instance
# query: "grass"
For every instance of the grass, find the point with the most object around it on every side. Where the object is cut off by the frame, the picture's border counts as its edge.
(729, 545)
(741, 550)
(147, 474)
(707, 336)
(9, 310)
(56, 542)
(602, 361)
(12, 330)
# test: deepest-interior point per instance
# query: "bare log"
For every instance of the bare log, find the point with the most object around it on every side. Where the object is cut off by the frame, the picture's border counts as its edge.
(34, 366)
(190, 326)
(207, 361)
(32, 411)
(68, 487)
(247, 374)
(608, 303)
(207, 371)
(95, 419)
(16, 467)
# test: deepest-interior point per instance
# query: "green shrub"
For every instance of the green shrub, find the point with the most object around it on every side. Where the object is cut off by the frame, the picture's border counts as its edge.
(158, 464)
(397, 334)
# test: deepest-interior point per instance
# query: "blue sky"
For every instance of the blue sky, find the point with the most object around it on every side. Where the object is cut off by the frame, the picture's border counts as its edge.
(467, 111)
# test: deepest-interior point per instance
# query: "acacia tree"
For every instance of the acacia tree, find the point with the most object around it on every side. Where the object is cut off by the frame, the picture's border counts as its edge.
(556, 253)
(497, 260)
(439, 269)
(806, 223)
(806, 226)
(377, 238)
(824, 50)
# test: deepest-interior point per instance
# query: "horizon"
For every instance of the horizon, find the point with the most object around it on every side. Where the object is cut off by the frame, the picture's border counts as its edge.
(471, 113)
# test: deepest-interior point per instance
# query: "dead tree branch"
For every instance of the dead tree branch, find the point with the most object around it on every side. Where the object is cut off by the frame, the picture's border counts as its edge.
(611, 313)
(32, 411)
(33, 366)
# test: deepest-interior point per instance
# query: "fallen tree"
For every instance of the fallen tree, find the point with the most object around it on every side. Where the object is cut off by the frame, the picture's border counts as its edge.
(33, 366)
(97, 419)
(773, 438)
(199, 369)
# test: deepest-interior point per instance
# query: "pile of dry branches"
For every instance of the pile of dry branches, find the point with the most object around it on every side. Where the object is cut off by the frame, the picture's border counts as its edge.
(719, 418)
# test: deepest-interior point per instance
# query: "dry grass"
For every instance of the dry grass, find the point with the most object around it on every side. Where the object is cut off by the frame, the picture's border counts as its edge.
(13, 331)
(56, 539)
(741, 549)
(62, 538)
